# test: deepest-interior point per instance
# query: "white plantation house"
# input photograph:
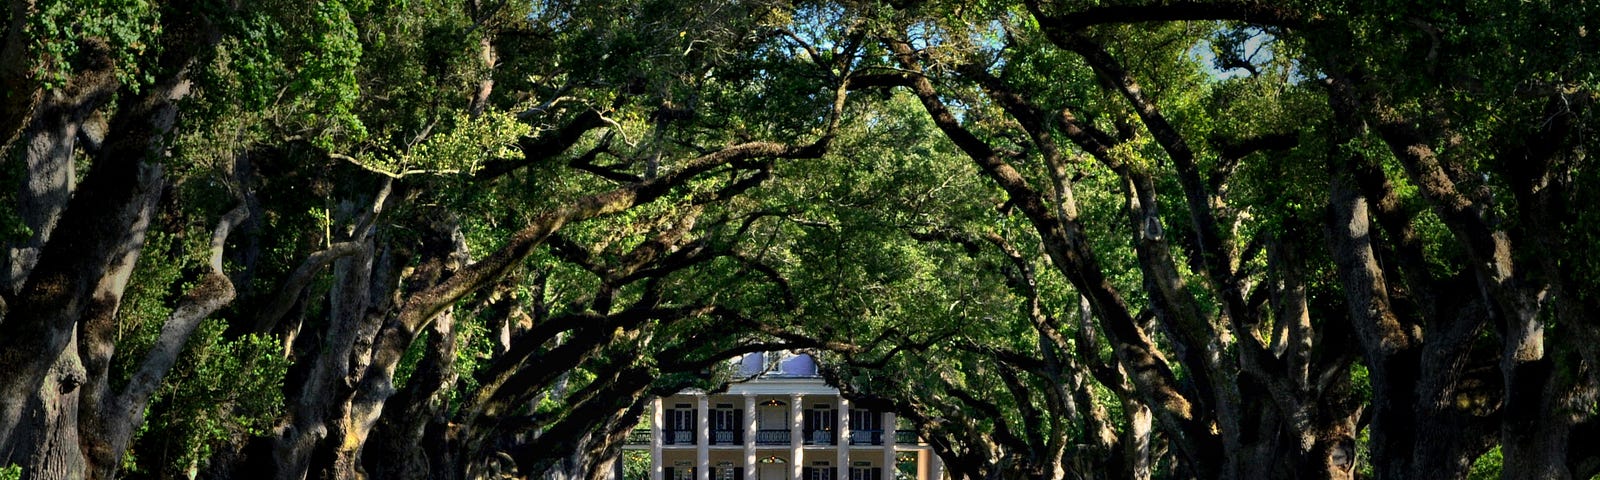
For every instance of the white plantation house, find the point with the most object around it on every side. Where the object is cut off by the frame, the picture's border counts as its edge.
(783, 424)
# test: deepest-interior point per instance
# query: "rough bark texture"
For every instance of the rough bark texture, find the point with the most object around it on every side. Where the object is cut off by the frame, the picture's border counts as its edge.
(396, 448)
(316, 406)
(111, 418)
(104, 222)
(405, 444)
(18, 76)
(49, 170)
(53, 339)
(40, 319)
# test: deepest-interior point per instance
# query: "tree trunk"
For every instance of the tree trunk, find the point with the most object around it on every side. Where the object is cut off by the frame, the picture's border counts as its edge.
(1390, 356)
(313, 413)
(397, 445)
(40, 319)
(310, 435)
(91, 240)
(1136, 441)
(1535, 428)
(18, 77)
(47, 439)
(97, 240)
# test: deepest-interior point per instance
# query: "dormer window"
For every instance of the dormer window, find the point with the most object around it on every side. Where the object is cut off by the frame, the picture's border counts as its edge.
(774, 362)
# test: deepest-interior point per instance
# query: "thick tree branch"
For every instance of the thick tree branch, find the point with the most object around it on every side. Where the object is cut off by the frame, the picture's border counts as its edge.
(290, 288)
(419, 308)
(1230, 152)
(104, 220)
(586, 163)
(18, 75)
(214, 291)
(536, 150)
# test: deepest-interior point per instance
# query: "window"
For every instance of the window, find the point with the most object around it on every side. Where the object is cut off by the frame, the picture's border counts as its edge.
(683, 471)
(866, 473)
(726, 471)
(817, 471)
(727, 425)
(861, 419)
(774, 362)
(680, 419)
(679, 426)
(820, 423)
(866, 427)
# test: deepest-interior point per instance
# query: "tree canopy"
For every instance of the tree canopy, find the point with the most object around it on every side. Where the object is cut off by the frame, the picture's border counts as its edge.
(1062, 239)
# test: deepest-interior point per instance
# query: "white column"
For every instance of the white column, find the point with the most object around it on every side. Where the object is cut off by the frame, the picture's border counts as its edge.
(936, 470)
(796, 444)
(889, 439)
(702, 438)
(750, 418)
(842, 439)
(656, 465)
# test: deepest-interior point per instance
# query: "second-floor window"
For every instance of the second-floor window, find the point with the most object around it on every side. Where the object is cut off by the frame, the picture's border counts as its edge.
(725, 417)
(866, 427)
(727, 425)
(680, 426)
(820, 423)
(864, 420)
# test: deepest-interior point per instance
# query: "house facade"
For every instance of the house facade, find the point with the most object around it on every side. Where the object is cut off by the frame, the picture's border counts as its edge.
(785, 423)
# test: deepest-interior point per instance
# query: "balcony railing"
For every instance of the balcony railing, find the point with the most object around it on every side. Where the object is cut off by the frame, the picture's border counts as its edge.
(678, 437)
(639, 437)
(727, 437)
(866, 437)
(905, 436)
(772, 437)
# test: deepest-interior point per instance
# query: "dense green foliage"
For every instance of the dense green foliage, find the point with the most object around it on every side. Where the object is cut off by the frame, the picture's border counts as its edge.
(1065, 239)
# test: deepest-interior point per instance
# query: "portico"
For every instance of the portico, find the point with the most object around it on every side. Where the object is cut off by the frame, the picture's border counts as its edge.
(783, 424)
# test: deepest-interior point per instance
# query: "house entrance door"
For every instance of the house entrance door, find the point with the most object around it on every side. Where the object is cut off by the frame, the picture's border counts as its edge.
(774, 472)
